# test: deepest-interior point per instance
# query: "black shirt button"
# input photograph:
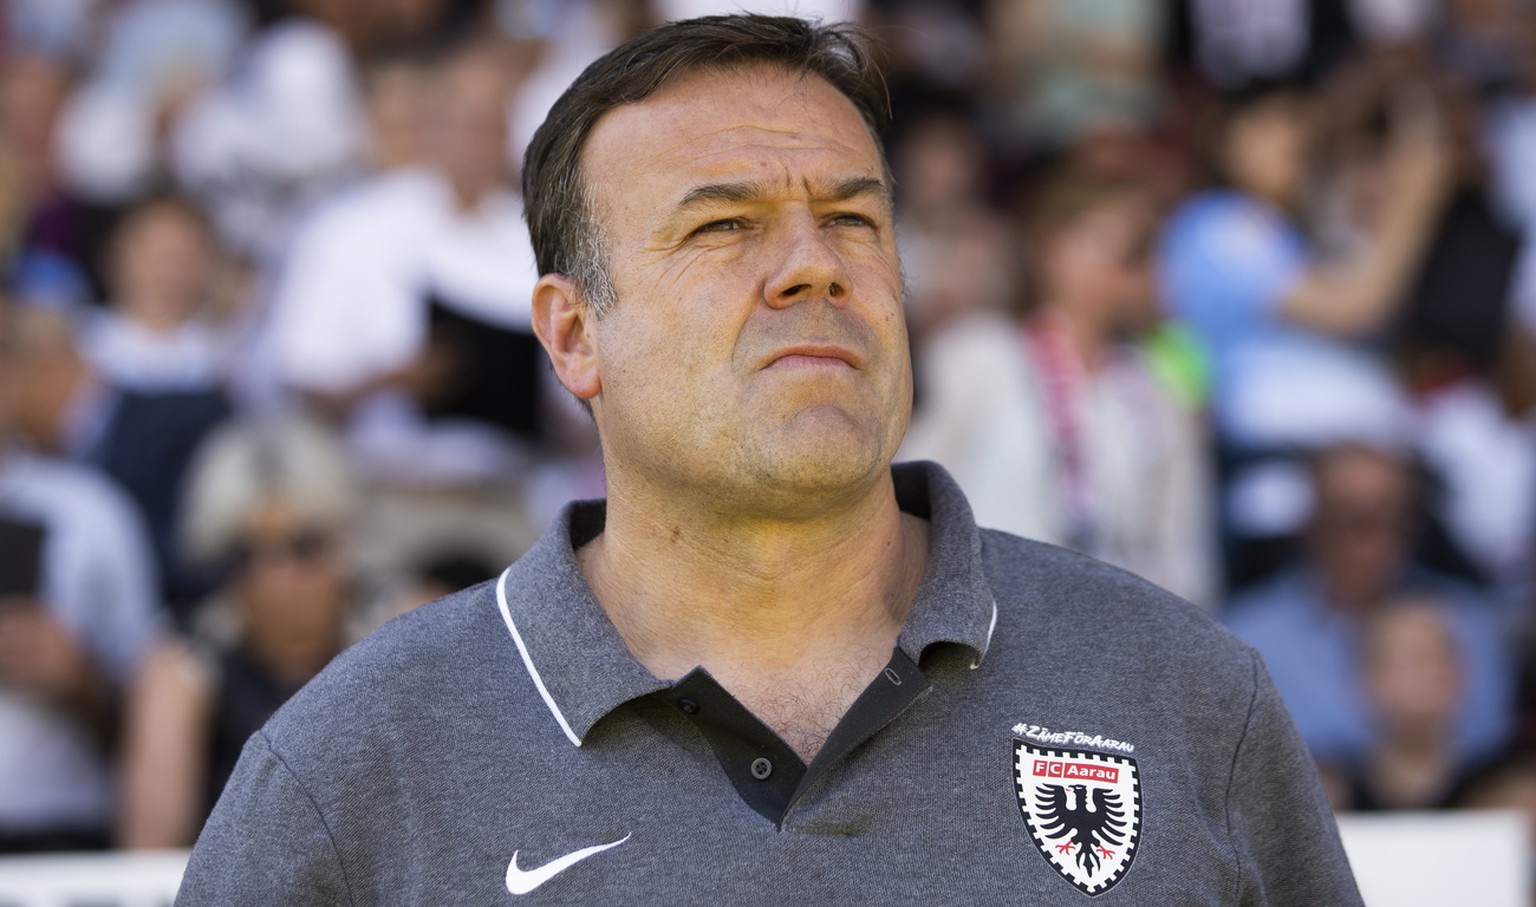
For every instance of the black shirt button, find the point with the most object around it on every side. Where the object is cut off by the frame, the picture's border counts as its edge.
(761, 768)
(688, 706)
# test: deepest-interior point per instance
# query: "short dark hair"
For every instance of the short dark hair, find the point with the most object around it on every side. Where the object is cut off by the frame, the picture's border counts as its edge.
(560, 218)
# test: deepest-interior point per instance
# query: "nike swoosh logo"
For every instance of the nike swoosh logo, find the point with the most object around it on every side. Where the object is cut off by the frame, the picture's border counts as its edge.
(522, 881)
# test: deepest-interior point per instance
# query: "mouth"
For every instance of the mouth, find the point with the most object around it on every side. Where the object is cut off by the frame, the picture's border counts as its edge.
(813, 355)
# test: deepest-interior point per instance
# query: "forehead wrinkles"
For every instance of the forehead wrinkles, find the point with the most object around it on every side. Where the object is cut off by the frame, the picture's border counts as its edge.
(667, 148)
(752, 140)
(709, 113)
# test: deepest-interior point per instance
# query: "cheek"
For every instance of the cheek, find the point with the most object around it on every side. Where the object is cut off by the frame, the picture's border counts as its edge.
(686, 320)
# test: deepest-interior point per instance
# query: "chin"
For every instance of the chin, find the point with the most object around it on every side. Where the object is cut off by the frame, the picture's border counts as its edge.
(822, 466)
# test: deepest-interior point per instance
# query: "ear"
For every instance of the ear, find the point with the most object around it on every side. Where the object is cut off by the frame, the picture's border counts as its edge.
(563, 323)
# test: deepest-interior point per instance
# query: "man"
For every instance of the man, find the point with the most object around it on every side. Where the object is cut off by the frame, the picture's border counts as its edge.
(1357, 556)
(770, 668)
(78, 609)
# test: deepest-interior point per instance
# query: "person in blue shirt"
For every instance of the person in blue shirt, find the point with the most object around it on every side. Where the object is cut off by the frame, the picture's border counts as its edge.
(1309, 621)
(1238, 270)
(1282, 324)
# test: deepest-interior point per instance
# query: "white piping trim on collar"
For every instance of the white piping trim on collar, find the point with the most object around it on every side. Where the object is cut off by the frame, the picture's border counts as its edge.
(522, 649)
(986, 645)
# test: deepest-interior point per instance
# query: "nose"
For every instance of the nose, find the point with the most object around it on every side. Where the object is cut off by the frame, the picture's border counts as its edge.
(809, 267)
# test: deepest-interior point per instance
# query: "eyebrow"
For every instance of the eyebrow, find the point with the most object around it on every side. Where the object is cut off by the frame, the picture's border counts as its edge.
(854, 187)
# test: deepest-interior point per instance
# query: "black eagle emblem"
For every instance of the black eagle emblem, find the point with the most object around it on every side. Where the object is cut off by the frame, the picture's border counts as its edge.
(1091, 824)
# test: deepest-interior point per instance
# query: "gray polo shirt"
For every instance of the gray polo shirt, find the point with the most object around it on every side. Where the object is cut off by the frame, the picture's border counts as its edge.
(1049, 730)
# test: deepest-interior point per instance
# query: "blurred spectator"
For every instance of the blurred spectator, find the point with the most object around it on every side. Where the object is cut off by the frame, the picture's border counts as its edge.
(1510, 135)
(957, 251)
(58, 27)
(30, 272)
(1388, 23)
(1071, 68)
(32, 275)
(141, 436)
(1282, 327)
(931, 43)
(552, 43)
(1455, 307)
(1053, 424)
(1483, 41)
(160, 362)
(77, 612)
(396, 98)
(156, 333)
(156, 57)
(1486, 460)
(403, 311)
(271, 501)
(284, 129)
(61, 407)
(1233, 43)
(1454, 341)
(1308, 621)
(1413, 677)
(55, 225)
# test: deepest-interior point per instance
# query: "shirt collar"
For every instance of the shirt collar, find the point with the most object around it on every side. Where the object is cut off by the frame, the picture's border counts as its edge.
(583, 670)
(954, 603)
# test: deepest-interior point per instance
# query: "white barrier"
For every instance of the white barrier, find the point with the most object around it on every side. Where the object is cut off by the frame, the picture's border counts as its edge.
(1480, 858)
(1400, 860)
(145, 879)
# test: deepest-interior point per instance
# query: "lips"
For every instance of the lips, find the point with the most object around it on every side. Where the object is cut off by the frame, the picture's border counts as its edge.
(812, 355)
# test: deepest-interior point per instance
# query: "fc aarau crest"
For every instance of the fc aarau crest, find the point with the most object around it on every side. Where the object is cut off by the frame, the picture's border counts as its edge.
(1083, 810)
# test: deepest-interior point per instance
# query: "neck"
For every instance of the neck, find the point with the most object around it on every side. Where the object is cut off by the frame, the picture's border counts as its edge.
(756, 599)
(794, 616)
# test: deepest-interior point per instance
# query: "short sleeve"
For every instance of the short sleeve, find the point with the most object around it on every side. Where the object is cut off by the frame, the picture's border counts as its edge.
(266, 842)
(1285, 839)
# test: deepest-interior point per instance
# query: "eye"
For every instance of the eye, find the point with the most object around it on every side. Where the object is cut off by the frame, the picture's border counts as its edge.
(724, 225)
(851, 220)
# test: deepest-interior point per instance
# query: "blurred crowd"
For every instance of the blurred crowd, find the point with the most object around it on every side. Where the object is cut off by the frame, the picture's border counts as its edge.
(1233, 294)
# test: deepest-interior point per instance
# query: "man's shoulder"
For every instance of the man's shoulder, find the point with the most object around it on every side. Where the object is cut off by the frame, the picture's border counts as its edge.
(1287, 600)
(1088, 610)
(1040, 566)
(427, 665)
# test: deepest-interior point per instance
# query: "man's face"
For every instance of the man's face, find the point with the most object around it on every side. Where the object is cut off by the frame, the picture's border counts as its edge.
(758, 342)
